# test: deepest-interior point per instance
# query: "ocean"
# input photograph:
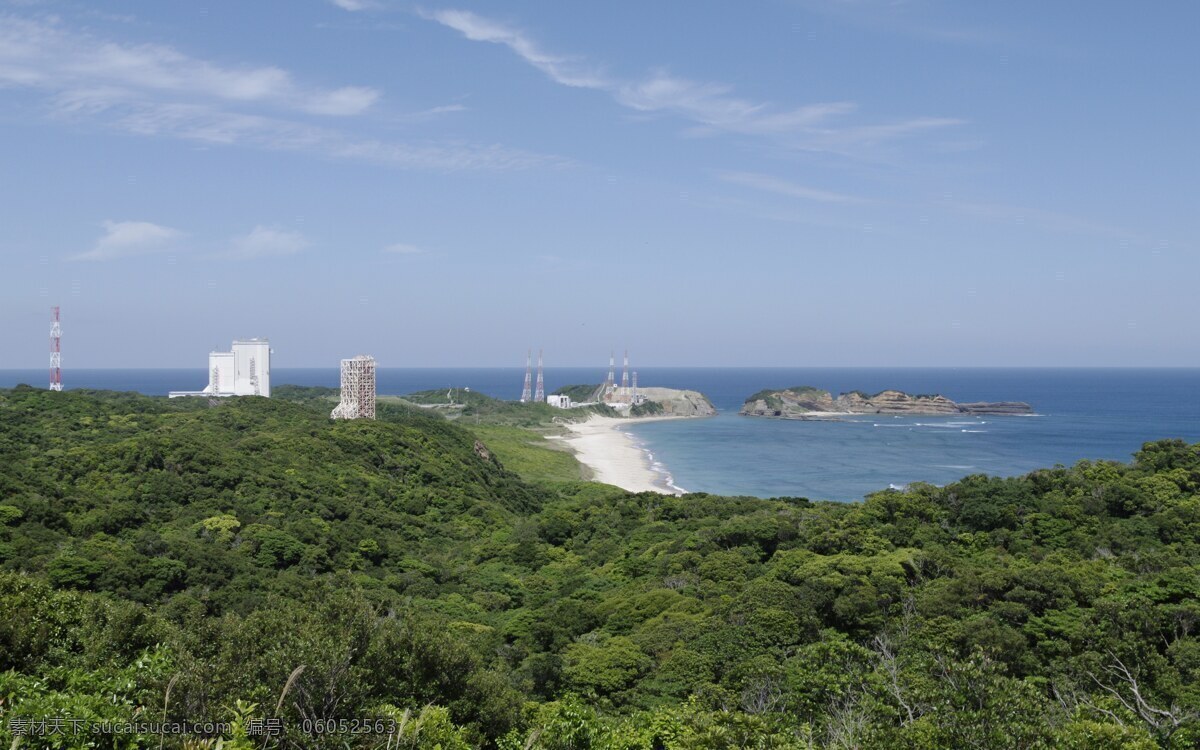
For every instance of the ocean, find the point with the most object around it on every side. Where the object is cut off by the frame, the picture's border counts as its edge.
(1080, 414)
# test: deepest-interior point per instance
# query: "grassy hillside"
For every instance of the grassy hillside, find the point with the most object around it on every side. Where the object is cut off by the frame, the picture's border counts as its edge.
(578, 393)
(529, 454)
(256, 559)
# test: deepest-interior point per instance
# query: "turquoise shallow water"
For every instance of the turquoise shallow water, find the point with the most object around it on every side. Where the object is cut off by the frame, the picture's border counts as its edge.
(1083, 413)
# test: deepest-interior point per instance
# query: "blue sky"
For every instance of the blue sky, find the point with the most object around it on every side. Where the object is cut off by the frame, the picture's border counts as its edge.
(813, 182)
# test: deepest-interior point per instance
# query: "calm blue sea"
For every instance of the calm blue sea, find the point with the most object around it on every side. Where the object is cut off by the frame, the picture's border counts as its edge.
(1081, 413)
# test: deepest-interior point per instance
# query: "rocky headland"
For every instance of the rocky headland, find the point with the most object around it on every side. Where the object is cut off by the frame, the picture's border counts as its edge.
(806, 402)
(677, 403)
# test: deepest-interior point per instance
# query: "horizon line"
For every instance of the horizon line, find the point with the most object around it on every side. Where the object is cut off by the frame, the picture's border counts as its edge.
(656, 367)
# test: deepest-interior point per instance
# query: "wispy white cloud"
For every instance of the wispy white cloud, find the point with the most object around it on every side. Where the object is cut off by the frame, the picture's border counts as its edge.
(403, 248)
(46, 54)
(155, 90)
(785, 187)
(123, 239)
(215, 126)
(565, 70)
(431, 113)
(354, 5)
(343, 101)
(450, 156)
(714, 108)
(266, 242)
(711, 107)
(874, 134)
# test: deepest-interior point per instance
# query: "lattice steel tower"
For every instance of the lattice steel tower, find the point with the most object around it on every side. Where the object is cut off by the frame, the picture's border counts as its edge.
(540, 394)
(527, 389)
(55, 351)
(358, 389)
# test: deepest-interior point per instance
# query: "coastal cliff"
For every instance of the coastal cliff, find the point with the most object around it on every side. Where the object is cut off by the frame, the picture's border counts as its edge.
(806, 402)
(677, 403)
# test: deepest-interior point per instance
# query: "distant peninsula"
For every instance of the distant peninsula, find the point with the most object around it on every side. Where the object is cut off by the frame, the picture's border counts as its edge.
(807, 402)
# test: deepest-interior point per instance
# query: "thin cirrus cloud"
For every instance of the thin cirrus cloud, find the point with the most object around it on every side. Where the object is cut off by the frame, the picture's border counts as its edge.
(355, 5)
(46, 54)
(155, 90)
(565, 70)
(127, 239)
(431, 113)
(711, 107)
(785, 187)
(403, 248)
(211, 125)
(266, 242)
(123, 239)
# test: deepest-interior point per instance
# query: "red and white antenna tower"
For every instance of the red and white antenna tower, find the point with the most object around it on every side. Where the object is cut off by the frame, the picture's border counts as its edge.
(527, 390)
(625, 372)
(55, 351)
(540, 394)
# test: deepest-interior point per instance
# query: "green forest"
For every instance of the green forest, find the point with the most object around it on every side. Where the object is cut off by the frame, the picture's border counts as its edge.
(282, 580)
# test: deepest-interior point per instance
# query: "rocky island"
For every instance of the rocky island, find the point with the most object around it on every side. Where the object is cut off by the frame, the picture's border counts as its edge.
(806, 402)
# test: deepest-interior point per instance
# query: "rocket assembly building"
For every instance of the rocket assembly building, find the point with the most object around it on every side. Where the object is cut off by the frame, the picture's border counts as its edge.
(244, 371)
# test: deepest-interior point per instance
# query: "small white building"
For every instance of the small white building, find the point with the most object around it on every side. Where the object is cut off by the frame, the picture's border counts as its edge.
(559, 402)
(243, 371)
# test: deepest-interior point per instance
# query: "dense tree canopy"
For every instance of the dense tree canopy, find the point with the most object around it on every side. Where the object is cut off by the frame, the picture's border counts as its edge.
(256, 560)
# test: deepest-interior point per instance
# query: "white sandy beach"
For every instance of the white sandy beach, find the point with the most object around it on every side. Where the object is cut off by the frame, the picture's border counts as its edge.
(601, 444)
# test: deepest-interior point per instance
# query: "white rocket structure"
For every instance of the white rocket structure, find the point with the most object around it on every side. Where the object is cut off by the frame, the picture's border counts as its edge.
(243, 371)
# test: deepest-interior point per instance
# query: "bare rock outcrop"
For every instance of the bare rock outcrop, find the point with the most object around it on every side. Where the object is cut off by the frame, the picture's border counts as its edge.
(678, 403)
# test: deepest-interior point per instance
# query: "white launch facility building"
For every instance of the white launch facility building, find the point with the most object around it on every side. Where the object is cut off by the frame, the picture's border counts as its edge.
(244, 371)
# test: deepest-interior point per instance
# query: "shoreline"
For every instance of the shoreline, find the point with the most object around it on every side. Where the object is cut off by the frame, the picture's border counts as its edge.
(617, 457)
(842, 416)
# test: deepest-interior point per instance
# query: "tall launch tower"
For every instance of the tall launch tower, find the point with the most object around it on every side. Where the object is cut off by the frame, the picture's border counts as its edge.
(625, 371)
(358, 389)
(55, 351)
(612, 378)
(527, 389)
(539, 395)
